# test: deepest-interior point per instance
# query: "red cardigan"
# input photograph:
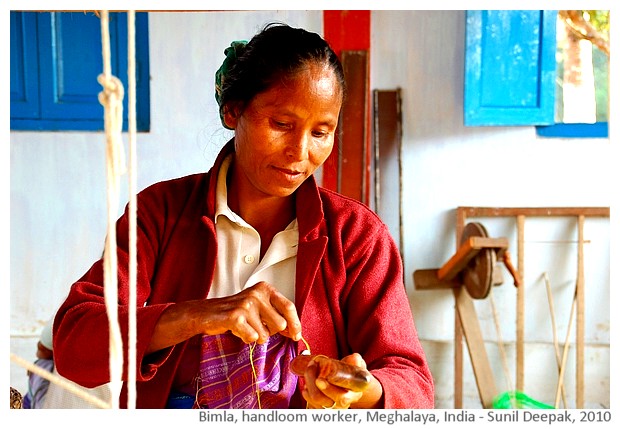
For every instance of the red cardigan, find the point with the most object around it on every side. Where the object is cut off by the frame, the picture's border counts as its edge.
(350, 295)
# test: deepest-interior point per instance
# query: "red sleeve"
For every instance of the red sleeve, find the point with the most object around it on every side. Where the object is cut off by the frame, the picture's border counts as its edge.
(81, 324)
(381, 326)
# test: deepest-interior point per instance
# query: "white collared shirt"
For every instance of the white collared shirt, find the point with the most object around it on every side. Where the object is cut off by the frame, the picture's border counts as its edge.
(238, 257)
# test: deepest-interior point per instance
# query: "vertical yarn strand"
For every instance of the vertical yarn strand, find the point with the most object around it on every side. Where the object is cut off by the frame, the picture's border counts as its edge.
(254, 374)
(111, 98)
(255, 386)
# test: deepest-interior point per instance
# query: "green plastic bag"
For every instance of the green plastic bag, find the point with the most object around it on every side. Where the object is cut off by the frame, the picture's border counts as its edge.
(516, 399)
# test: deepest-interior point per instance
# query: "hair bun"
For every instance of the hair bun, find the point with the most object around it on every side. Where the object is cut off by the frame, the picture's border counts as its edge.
(234, 51)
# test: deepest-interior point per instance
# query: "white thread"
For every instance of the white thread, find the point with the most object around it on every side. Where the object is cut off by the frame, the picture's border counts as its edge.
(112, 100)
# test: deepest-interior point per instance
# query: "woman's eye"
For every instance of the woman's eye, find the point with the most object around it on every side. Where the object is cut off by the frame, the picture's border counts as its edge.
(319, 134)
(280, 124)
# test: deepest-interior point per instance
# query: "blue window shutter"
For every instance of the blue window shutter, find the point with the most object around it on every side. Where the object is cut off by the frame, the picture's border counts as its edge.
(24, 66)
(510, 68)
(143, 100)
(68, 63)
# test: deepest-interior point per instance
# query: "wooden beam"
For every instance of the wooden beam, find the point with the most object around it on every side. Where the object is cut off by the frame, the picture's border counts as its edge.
(352, 137)
(475, 344)
(428, 280)
(387, 132)
(520, 328)
(466, 252)
(461, 217)
(534, 211)
(580, 331)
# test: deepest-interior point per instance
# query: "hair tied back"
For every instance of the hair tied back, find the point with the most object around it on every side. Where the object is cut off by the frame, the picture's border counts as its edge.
(234, 51)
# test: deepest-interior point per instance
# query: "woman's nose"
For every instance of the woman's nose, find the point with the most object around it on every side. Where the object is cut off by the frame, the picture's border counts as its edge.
(297, 146)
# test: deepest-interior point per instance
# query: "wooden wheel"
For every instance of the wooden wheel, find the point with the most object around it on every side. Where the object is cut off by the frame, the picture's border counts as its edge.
(477, 276)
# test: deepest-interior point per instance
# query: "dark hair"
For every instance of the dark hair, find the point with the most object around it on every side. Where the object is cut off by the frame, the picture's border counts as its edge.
(276, 52)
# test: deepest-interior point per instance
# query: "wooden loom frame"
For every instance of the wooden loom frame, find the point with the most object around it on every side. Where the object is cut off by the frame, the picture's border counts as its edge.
(467, 321)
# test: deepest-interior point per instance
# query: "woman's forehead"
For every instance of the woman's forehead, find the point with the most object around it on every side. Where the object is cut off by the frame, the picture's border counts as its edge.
(316, 78)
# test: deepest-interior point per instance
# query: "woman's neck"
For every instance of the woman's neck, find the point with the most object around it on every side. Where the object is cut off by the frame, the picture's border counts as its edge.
(267, 214)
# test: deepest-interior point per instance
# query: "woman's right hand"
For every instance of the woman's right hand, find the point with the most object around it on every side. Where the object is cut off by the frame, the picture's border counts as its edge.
(254, 314)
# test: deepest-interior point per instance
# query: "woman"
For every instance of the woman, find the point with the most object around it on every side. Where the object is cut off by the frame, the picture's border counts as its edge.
(243, 266)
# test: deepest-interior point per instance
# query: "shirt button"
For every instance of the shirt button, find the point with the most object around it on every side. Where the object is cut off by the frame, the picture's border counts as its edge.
(248, 259)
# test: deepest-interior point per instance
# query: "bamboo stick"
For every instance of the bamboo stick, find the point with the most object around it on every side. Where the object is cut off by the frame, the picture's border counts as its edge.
(556, 345)
(565, 352)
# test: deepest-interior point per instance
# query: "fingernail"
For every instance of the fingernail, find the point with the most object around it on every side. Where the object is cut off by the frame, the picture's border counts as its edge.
(321, 384)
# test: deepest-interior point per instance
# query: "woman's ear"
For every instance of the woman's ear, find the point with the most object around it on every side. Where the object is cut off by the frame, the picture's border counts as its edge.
(230, 117)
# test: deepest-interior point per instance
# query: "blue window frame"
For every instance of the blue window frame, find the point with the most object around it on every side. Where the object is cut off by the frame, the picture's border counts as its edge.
(598, 129)
(510, 71)
(55, 61)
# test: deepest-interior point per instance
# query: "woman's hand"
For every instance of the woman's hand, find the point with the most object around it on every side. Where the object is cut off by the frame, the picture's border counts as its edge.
(254, 314)
(319, 393)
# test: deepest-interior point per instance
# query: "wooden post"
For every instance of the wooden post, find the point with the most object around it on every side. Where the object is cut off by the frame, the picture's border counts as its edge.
(520, 334)
(353, 137)
(461, 217)
(580, 332)
(387, 131)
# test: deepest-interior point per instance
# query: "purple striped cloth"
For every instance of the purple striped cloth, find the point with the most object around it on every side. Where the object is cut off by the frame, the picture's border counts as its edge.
(227, 379)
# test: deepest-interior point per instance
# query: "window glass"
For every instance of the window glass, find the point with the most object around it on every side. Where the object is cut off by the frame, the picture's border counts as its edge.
(582, 77)
(582, 67)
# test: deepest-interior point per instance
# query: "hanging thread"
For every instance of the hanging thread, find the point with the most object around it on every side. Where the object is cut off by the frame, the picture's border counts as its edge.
(256, 388)
(254, 374)
(112, 100)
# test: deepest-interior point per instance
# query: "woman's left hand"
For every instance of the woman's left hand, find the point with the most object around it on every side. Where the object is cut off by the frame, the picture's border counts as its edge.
(320, 393)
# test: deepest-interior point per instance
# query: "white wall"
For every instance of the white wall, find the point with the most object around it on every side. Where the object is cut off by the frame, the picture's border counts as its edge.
(447, 165)
(58, 185)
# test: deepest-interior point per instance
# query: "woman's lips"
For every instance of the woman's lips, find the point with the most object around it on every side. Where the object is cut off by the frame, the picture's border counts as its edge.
(289, 174)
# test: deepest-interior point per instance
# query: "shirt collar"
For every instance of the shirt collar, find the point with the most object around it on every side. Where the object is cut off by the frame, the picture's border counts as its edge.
(221, 194)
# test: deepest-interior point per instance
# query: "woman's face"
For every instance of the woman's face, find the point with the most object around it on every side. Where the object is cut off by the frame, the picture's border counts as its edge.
(285, 133)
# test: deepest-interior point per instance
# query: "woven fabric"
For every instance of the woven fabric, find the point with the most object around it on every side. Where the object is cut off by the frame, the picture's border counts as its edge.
(37, 385)
(240, 376)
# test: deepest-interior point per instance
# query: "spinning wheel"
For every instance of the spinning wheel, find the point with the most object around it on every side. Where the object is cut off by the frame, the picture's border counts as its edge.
(473, 266)
(477, 276)
(470, 273)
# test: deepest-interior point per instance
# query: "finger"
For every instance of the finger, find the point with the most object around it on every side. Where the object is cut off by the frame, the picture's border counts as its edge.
(310, 404)
(288, 312)
(314, 394)
(247, 322)
(262, 331)
(277, 312)
(255, 314)
(355, 359)
(272, 320)
(343, 398)
(244, 330)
